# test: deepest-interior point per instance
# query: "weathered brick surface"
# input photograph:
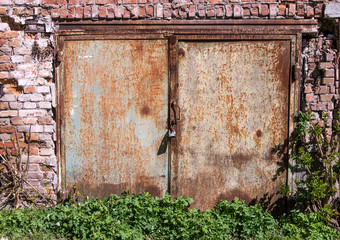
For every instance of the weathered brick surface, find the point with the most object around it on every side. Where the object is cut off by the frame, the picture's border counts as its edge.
(29, 102)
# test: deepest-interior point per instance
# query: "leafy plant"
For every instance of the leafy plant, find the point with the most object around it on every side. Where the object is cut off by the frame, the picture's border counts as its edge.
(145, 217)
(316, 155)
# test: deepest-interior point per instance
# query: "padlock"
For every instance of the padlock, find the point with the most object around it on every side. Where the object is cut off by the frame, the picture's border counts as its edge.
(172, 132)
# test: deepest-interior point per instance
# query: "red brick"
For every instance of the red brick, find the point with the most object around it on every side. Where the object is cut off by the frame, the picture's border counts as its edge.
(7, 129)
(102, 11)
(17, 121)
(183, 12)
(282, 10)
(330, 105)
(300, 9)
(219, 11)
(101, 2)
(15, 42)
(309, 11)
(87, 12)
(149, 11)
(237, 11)
(192, 11)
(291, 9)
(63, 12)
(130, 1)
(264, 10)
(318, 10)
(142, 11)
(126, 13)
(323, 65)
(18, 11)
(167, 12)
(326, 97)
(49, 2)
(79, 12)
(3, 11)
(329, 57)
(201, 10)
(318, 106)
(210, 11)
(55, 12)
(255, 9)
(3, 75)
(329, 73)
(110, 12)
(321, 89)
(3, 105)
(73, 2)
(30, 121)
(310, 97)
(34, 136)
(320, 123)
(29, 11)
(45, 121)
(228, 10)
(308, 89)
(9, 35)
(6, 67)
(34, 175)
(19, 135)
(62, 2)
(71, 12)
(332, 89)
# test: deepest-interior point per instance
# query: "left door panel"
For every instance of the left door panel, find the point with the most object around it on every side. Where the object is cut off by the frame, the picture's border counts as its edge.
(114, 116)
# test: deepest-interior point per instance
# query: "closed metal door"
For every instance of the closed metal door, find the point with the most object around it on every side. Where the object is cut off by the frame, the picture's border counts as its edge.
(114, 116)
(234, 100)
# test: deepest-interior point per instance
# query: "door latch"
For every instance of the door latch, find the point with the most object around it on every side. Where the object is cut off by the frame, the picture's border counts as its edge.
(173, 122)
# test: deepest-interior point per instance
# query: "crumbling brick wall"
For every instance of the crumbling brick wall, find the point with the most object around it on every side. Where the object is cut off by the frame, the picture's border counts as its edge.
(26, 59)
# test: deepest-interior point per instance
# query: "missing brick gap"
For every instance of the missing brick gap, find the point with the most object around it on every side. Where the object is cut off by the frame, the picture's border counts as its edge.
(14, 26)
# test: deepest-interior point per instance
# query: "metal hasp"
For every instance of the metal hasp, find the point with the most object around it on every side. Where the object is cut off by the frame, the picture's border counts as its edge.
(121, 86)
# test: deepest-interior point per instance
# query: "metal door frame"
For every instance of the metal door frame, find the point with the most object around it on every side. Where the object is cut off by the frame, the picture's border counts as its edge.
(183, 30)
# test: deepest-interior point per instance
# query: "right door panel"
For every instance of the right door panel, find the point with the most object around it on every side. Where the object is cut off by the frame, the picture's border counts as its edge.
(234, 99)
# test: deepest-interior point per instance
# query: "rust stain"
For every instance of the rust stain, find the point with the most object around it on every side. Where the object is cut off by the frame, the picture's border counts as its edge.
(232, 194)
(145, 110)
(181, 52)
(259, 133)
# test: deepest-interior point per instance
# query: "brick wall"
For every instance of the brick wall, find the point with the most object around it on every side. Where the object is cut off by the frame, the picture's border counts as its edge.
(26, 59)
(321, 88)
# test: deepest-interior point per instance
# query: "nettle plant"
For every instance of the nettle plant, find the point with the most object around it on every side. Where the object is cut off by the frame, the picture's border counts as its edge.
(315, 152)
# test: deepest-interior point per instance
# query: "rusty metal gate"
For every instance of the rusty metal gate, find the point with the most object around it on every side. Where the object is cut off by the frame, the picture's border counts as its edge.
(234, 90)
